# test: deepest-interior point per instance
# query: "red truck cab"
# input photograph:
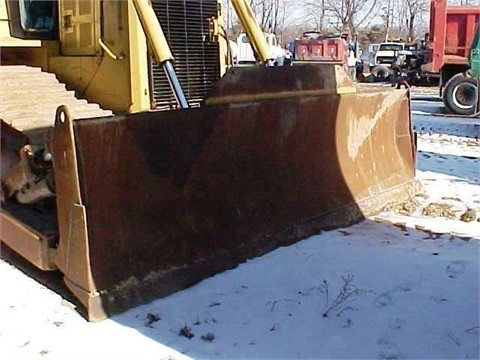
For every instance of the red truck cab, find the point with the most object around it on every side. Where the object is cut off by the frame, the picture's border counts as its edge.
(452, 29)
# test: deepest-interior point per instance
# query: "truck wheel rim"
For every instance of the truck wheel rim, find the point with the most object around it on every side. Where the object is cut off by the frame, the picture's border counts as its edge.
(465, 96)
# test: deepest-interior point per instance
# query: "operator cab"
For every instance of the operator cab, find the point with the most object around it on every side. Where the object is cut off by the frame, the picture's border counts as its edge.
(33, 20)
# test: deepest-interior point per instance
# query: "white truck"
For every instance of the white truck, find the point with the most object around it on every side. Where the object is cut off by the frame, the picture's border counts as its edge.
(245, 54)
(390, 52)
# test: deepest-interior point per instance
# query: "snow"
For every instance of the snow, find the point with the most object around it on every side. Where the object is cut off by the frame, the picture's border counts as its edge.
(410, 281)
(463, 127)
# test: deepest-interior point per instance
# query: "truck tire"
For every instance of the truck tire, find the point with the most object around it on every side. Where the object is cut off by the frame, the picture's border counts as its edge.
(380, 72)
(460, 95)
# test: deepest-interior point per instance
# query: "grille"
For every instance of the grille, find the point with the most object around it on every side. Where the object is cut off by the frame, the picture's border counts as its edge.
(186, 27)
(385, 59)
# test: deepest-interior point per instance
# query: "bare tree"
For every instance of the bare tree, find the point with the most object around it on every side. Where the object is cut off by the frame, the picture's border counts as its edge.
(350, 14)
(415, 9)
(313, 12)
(269, 13)
(387, 15)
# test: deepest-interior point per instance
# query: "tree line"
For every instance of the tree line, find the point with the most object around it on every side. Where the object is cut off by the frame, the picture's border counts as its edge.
(370, 21)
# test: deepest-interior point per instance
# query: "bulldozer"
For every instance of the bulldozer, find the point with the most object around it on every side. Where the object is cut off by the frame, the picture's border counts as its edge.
(137, 161)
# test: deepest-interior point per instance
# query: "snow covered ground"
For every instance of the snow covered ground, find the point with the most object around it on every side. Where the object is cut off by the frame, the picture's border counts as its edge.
(371, 291)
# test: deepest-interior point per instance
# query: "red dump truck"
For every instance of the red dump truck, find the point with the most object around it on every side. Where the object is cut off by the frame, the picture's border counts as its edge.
(449, 46)
(315, 46)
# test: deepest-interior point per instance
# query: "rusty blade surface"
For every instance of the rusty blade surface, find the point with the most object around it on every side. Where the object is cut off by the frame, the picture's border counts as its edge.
(173, 197)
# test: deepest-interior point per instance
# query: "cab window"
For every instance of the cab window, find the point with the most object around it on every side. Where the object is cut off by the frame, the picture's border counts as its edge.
(37, 15)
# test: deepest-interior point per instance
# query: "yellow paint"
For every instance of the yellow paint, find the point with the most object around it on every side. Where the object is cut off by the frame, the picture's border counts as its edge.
(79, 34)
(114, 75)
(138, 69)
(153, 30)
(119, 84)
(220, 35)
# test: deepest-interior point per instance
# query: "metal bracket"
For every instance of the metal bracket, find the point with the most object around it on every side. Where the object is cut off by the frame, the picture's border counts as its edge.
(67, 23)
(215, 29)
(73, 248)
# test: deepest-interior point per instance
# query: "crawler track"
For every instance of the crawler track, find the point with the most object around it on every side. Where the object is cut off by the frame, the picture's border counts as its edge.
(29, 98)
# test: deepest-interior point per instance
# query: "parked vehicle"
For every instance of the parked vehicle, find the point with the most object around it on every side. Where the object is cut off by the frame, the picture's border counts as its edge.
(447, 56)
(408, 67)
(389, 53)
(453, 49)
(315, 46)
(246, 54)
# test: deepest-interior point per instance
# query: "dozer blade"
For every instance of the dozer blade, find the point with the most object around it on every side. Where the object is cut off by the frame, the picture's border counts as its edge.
(151, 203)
